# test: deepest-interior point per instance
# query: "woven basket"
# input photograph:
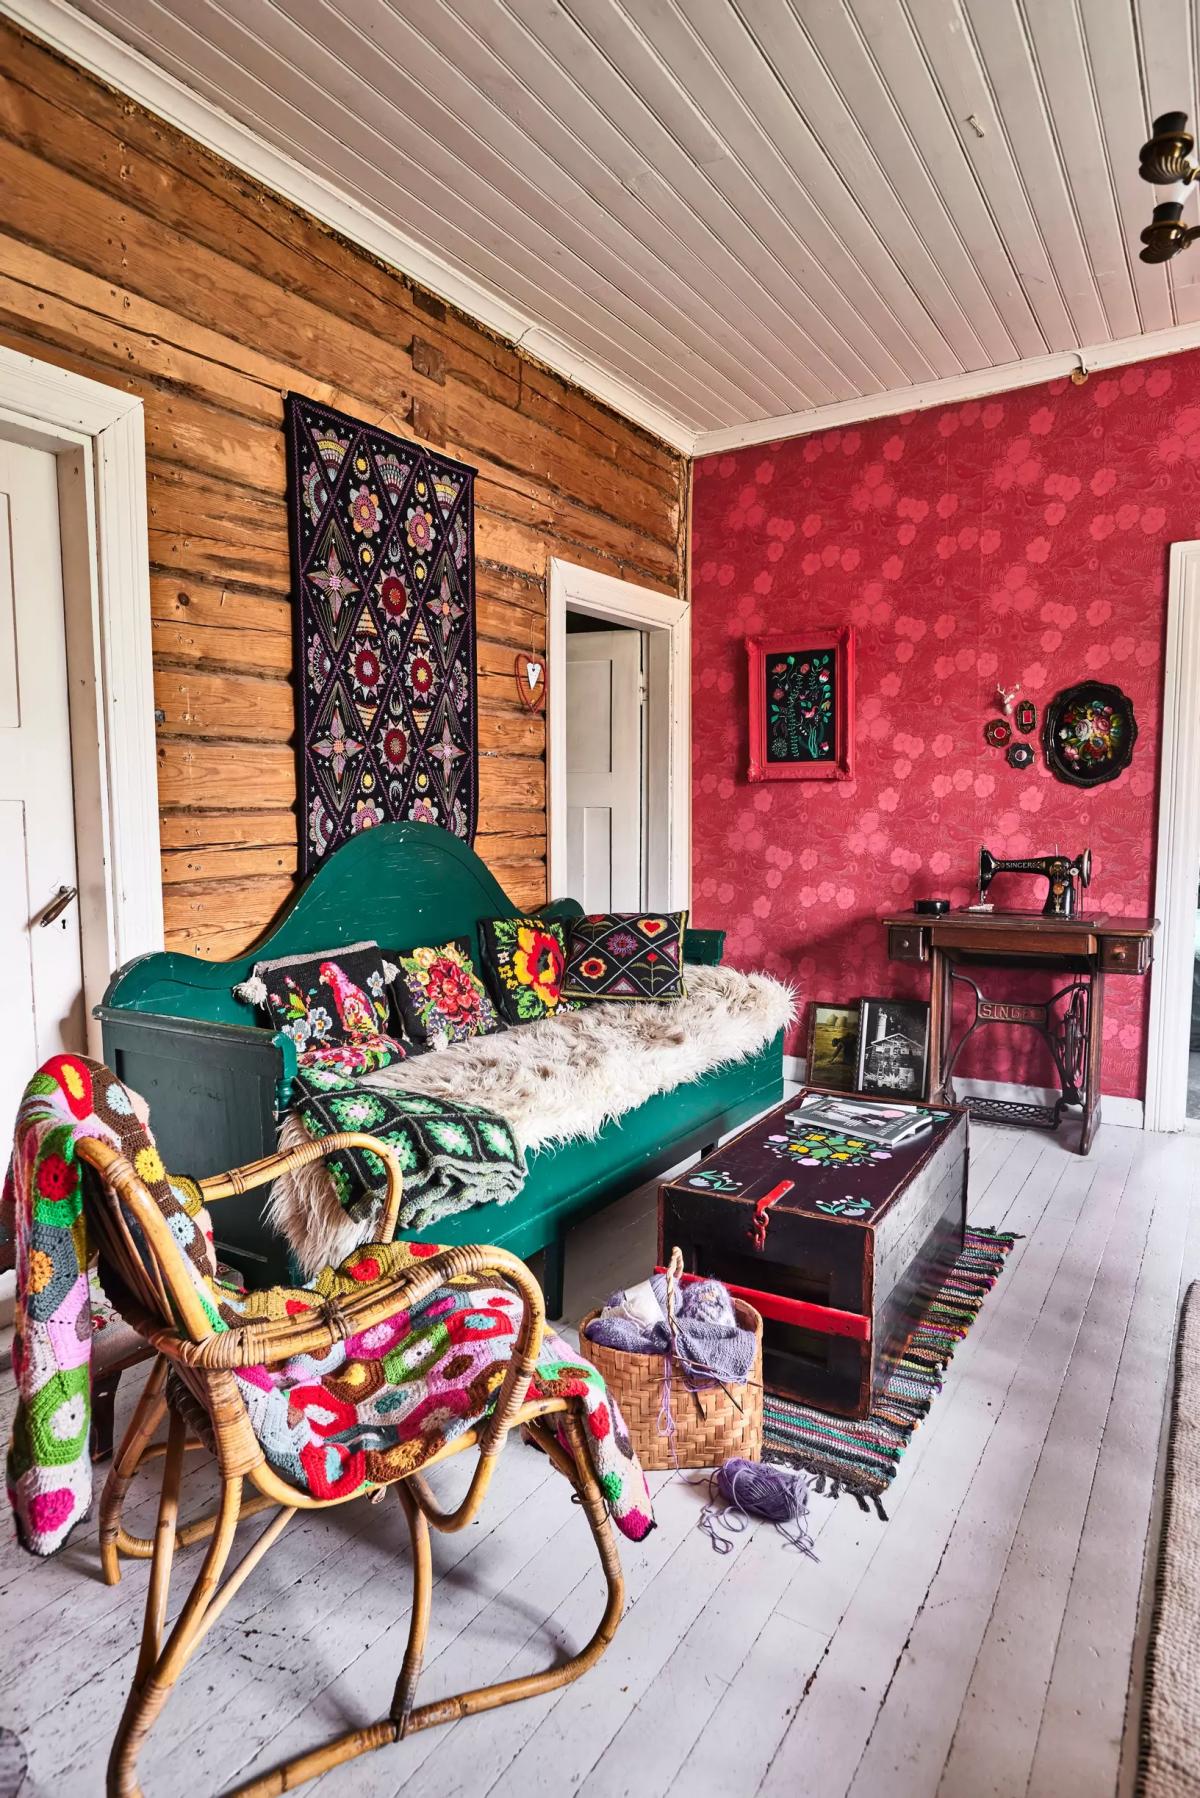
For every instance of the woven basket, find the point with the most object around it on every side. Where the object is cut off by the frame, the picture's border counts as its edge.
(710, 1426)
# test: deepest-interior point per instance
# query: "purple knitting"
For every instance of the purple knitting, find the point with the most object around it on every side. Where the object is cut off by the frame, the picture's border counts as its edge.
(711, 1348)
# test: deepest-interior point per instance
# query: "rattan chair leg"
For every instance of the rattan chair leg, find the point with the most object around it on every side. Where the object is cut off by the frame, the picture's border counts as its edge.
(407, 1721)
(448, 1522)
(145, 1420)
(509, 1691)
(418, 1629)
(159, 1668)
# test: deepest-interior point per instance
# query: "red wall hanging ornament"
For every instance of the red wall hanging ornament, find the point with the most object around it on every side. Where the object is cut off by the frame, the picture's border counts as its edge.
(531, 682)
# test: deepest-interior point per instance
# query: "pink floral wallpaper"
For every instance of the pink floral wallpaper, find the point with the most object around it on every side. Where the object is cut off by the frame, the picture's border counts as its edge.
(1022, 538)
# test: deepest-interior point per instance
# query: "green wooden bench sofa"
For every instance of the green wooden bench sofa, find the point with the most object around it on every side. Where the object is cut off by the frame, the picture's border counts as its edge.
(217, 1082)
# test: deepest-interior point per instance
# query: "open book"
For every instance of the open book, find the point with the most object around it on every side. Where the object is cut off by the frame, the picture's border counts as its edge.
(872, 1119)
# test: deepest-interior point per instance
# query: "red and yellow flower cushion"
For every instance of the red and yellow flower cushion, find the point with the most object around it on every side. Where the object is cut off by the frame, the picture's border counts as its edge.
(525, 960)
(626, 955)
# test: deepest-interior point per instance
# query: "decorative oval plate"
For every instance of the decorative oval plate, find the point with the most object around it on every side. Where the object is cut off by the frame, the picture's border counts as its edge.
(1088, 733)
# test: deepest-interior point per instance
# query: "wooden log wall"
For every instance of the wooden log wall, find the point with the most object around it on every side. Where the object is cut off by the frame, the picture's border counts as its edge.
(130, 254)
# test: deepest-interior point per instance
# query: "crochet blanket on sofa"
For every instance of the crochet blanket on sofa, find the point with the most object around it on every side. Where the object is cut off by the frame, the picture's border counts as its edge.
(559, 1080)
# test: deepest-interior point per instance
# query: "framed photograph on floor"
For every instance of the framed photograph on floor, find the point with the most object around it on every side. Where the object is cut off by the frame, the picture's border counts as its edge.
(893, 1047)
(802, 705)
(833, 1047)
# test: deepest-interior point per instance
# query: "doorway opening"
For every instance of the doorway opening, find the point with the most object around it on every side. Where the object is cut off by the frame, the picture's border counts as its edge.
(618, 704)
(608, 773)
(1173, 1056)
(78, 772)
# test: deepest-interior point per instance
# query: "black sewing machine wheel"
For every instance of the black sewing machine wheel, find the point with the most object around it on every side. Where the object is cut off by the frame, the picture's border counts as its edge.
(1071, 1045)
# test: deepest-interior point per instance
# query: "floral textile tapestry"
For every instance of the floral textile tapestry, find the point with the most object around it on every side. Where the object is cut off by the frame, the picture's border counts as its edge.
(383, 595)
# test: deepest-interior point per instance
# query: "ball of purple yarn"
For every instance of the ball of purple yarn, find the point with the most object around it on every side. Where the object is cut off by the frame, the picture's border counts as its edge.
(762, 1490)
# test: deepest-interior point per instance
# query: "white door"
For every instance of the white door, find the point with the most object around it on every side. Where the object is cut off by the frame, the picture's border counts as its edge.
(41, 981)
(604, 769)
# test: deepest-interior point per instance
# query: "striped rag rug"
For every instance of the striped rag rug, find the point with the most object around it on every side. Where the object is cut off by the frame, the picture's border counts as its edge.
(861, 1457)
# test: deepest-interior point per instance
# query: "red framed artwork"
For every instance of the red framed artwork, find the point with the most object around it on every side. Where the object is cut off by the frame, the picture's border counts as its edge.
(802, 705)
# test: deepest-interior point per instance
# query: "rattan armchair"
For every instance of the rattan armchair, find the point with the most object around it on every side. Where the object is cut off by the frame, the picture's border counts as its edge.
(192, 1381)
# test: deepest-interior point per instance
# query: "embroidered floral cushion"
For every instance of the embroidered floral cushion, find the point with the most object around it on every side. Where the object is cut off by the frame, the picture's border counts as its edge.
(440, 996)
(626, 955)
(337, 998)
(524, 960)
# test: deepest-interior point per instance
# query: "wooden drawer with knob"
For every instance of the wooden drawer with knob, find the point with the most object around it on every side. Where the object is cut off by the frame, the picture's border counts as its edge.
(907, 942)
(1126, 954)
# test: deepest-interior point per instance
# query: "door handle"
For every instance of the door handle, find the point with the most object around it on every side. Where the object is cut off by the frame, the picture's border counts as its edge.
(58, 905)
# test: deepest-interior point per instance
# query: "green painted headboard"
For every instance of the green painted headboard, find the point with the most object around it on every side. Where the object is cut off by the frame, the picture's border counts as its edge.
(397, 885)
(215, 1079)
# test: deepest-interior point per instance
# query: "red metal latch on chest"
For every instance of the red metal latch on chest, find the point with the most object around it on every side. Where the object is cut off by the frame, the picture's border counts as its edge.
(762, 1212)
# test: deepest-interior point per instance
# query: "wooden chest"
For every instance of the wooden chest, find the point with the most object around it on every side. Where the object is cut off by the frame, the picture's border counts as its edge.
(842, 1261)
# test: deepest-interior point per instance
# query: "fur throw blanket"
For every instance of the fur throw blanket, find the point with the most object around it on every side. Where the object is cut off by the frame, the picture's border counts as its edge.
(559, 1080)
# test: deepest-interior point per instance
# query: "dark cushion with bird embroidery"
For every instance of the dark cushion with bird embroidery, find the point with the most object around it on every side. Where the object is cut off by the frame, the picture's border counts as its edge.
(334, 1006)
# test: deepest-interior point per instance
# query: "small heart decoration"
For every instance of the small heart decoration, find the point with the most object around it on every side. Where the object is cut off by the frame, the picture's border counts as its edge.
(531, 682)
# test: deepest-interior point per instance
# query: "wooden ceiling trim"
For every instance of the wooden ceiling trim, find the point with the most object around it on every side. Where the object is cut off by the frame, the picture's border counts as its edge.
(726, 217)
(473, 239)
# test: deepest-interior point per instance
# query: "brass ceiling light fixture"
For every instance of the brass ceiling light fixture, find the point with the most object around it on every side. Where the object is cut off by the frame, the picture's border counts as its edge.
(1165, 163)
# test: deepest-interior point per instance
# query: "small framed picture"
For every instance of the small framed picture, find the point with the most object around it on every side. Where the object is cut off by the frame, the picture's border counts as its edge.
(802, 705)
(833, 1047)
(893, 1047)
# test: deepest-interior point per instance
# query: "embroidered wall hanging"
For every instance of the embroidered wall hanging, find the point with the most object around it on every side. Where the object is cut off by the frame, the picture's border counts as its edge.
(802, 706)
(383, 594)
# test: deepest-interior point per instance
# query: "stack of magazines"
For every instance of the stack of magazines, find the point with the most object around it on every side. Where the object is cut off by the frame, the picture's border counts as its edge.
(871, 1119)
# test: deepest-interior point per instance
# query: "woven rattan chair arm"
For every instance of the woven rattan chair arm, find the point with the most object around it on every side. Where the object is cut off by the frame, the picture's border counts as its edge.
(528, 1346)
(286, 1161)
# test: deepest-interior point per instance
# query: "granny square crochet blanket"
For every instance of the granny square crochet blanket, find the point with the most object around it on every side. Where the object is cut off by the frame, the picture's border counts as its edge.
(452, 1155)
(375, 1407)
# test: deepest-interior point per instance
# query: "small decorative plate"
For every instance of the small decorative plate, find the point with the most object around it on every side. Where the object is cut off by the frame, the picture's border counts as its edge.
(1019, 755)
(1088, 733)
(997, 732)
(1025, 716)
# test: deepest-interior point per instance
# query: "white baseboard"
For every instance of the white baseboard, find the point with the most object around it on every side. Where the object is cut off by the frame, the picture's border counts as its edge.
(1130, 1114)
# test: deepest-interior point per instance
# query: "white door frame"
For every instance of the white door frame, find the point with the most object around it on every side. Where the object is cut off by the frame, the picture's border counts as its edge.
(621, 602)
(1178, 860)
(97, 436)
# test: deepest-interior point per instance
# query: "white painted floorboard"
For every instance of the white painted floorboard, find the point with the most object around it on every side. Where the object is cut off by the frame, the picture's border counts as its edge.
(984, 1643)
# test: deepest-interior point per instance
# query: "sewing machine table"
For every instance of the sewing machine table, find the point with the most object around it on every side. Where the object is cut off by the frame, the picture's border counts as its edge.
(1083, 950)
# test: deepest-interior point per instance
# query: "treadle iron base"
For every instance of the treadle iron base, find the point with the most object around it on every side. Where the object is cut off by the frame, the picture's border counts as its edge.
(1013, 1112)
(1072, 952)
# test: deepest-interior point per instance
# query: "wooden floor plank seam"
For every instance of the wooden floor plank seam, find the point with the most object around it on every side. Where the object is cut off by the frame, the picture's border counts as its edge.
(1017, 1559)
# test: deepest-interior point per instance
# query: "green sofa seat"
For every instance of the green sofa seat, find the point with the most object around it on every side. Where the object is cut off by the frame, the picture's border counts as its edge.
(218, 1083)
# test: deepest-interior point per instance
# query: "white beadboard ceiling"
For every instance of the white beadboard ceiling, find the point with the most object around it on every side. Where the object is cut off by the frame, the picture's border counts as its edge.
(731, 219)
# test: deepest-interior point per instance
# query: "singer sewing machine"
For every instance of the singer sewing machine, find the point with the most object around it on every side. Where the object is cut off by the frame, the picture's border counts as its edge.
(1056, 941)
(1059, 872)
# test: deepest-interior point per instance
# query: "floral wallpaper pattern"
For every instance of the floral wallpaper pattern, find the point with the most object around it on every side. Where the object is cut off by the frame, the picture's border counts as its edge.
(1022, 538)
